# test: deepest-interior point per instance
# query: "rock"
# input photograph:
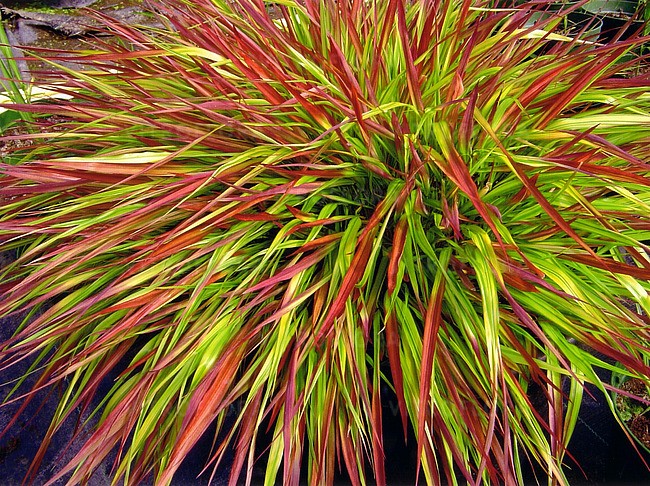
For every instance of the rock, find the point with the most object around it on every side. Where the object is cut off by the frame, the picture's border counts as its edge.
(65, 29)
(13, 4)
(67, 25)
(73, 22)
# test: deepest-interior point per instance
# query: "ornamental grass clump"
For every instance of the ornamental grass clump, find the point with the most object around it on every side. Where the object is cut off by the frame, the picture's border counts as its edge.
(287, 216)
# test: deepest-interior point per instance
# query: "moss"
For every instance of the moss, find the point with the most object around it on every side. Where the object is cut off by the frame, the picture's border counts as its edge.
(47, 10)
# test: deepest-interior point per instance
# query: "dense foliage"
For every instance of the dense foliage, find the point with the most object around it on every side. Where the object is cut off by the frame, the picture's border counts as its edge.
(281, 214)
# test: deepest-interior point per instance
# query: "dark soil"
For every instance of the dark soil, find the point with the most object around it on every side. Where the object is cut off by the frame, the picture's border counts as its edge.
(635, 413)
(640, 427)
